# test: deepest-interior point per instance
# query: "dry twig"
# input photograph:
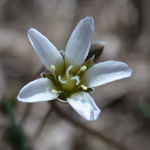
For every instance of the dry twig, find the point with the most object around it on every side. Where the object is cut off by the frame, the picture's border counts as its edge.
(88, 130)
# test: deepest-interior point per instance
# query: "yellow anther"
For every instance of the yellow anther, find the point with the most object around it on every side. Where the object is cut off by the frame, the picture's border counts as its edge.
(54, 91)
(84, 87)
(52, 67)
(83, 68)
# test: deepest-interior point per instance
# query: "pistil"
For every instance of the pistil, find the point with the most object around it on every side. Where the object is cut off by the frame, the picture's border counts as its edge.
(70, 84)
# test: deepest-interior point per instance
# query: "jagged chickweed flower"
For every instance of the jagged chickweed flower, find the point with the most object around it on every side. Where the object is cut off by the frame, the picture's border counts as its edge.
(70, 78)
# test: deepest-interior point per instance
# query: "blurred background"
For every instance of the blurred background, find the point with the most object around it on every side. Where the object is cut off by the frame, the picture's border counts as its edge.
(125, 119)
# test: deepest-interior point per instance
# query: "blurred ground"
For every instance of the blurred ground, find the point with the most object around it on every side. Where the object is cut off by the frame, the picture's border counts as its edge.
(124, 25)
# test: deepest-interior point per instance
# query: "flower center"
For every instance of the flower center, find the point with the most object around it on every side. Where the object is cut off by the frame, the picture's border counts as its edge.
(70, 83)
(67, 83)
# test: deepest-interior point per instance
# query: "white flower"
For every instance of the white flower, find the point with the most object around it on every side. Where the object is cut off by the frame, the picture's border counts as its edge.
(70, 79)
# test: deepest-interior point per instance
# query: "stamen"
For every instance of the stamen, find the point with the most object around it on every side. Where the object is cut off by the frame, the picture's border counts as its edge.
(84, 87)
(59, 92)
(61, 81)
(77, 79)
(67, 71)
(53, 68)
(82, 69)
(54, 91)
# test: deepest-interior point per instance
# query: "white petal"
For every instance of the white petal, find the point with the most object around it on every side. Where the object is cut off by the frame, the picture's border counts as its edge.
(105, 72)
(47, 52)
(79, 43)
(83, 103)
(37, 90)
